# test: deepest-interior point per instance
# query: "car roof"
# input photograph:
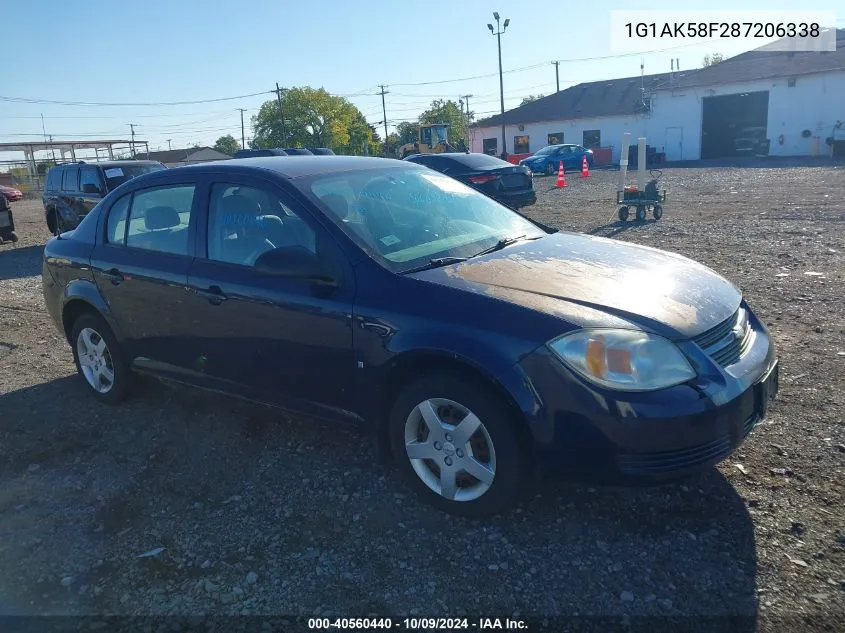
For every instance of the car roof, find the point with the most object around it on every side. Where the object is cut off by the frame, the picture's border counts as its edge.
(295, 166)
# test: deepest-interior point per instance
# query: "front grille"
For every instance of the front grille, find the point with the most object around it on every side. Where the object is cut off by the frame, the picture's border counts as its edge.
(682, 459)
(729, 341)
(515, 180)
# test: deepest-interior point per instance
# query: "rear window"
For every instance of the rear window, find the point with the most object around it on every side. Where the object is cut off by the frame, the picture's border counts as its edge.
(54, 178)
(479, 161)
(70, 180)
(118, 174)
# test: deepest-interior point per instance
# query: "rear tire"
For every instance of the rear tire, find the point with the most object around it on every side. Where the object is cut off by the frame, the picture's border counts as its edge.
(99, 359)
(51, 222)
(641, 213)
(623, 214)
(657, 212)
(469, 458)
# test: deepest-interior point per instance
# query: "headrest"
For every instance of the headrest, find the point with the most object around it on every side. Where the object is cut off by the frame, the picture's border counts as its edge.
(337, 204)
(161, 218)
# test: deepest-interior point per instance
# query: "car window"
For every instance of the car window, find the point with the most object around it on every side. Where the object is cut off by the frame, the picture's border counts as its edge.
(116, 175)
(405, 217)
(70, 180)
(89, 176)
(159, 218)
(116, 231)
(246, 222)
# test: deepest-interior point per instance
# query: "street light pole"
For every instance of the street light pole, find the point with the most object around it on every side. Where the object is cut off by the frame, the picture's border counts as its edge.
(498, 33)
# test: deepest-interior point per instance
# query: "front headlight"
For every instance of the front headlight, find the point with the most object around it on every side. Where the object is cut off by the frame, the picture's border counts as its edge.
(625, 360)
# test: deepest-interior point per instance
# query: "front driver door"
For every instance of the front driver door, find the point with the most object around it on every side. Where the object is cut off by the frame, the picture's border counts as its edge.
(276, 339)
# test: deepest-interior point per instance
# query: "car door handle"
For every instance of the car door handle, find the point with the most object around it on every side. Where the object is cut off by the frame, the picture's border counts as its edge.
(114, 276)
(214, 294)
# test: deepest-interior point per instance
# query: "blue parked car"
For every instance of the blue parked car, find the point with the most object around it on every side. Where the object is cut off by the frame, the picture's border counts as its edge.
(547, 160)
(472, 341)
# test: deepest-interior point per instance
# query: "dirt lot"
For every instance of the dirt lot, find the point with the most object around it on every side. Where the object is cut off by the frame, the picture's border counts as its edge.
(263, 515)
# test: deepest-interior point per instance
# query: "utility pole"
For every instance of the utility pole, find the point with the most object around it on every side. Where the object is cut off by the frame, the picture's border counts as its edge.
(557, 74)
(498, 33)
(132, 145)
(384, 113)
(278, 92)
(243, 136)
(466, 101)
(168, 145)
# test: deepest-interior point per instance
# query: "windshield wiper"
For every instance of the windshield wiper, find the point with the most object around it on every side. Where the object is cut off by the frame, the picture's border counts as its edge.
(436, 263)
(505, 241)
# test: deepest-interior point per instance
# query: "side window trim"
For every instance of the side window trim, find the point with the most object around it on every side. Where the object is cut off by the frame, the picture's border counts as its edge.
(110, 210)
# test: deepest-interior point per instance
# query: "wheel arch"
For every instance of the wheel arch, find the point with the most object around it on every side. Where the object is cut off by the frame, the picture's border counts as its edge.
(80, 297)
(410, 365)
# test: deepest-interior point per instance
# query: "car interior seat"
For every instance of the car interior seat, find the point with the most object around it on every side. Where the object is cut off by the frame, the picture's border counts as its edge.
(239, 236)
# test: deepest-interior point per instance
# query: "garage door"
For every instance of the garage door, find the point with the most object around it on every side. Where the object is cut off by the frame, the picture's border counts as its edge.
(734, 125)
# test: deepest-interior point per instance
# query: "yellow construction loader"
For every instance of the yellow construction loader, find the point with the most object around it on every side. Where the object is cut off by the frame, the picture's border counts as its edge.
(432, 138)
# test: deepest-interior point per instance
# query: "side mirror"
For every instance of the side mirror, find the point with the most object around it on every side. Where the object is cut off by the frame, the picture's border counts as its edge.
(295, 262)
(91, 188)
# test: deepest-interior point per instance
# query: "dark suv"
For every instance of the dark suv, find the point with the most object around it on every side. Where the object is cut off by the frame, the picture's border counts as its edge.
(73, 189)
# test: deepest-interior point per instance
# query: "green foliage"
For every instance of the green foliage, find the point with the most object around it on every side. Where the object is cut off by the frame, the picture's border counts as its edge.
(711, 59)
(227, 144)
(44, 166)
(531, 98)
(313, 118)
(442, 111)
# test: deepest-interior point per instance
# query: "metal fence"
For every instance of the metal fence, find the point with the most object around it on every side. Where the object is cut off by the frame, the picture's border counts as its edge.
(18, 174)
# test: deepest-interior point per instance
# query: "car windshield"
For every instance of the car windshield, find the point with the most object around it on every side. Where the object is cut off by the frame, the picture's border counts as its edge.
(116, 176)
(407, 217)
(546, 150)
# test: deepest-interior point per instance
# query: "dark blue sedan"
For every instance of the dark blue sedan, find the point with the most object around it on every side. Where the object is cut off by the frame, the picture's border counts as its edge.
(547, 160)
(473, 342)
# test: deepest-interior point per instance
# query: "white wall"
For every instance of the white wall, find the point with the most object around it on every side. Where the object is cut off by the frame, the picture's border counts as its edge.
(611, 129)
(815, 103)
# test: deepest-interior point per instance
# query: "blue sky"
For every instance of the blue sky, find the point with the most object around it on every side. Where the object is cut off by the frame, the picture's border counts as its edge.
(181, 50)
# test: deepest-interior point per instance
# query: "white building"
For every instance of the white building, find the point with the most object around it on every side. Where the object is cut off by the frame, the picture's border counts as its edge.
(760, 102)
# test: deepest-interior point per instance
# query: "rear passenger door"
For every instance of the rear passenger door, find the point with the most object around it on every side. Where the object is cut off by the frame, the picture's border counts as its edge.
(141, 268)
(278, 339)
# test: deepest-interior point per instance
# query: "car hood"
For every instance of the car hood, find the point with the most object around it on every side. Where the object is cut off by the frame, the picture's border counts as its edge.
(599, 282)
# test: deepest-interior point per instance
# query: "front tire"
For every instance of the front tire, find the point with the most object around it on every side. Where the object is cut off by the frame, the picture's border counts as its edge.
(99, 359)
(457, 445)
(550, 169)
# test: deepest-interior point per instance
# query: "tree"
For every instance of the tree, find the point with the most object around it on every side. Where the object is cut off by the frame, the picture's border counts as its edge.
(711, 59)
(227, 144)
(442, 111)
(531, 98)
(312, 118)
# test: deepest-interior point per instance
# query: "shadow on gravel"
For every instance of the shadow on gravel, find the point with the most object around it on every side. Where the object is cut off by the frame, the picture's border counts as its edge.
(20, 262)
(229, 488)
(615, 228)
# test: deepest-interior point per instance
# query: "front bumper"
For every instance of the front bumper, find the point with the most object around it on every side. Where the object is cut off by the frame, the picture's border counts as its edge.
(654, 435)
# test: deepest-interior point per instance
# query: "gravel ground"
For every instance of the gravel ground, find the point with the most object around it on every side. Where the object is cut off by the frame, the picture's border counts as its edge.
(259, 514)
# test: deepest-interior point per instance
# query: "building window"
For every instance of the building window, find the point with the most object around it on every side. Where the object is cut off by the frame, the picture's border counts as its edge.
(592, 138)
(555, 138)
(490, 146)
(791, 83)
(520, 144)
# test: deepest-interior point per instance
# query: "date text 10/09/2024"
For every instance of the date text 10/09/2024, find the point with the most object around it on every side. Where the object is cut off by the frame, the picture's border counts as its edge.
(418, 624)
(681, 30)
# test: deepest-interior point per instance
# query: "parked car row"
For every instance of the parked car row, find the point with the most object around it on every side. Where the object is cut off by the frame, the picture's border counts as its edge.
(473, 342)
(288, 151)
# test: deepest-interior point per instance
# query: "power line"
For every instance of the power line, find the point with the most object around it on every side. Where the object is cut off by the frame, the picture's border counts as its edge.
(137, 104)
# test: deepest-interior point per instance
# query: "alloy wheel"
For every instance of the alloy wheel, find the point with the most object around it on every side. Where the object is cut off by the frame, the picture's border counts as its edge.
(95, 360)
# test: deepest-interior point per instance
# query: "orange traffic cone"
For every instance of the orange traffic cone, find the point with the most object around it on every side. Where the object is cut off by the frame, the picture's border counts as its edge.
(561, 176)
(585, 169)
